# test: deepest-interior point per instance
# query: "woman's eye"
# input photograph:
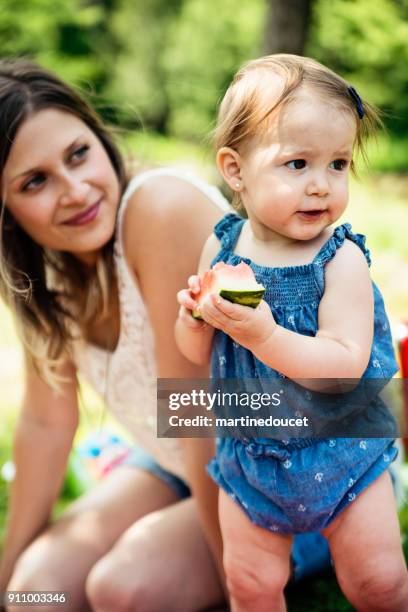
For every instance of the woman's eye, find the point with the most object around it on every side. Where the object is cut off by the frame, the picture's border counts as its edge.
(79, 153)
(296, 164)
(339, 164)
(33, 182)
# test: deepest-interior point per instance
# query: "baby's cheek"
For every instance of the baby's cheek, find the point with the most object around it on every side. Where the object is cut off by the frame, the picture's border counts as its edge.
(343, 194)
(339, 206)
(285, 190)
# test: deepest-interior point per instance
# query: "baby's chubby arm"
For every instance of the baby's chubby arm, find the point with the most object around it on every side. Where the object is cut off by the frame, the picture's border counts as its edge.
(194, 337)
(342, 345)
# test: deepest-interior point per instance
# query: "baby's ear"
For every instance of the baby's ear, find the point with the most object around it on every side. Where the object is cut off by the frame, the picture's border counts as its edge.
(229, 165)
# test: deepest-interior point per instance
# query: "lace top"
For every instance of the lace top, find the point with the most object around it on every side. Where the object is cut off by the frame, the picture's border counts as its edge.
(126, 377)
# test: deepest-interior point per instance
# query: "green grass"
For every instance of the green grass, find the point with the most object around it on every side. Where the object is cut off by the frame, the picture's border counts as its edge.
(318, 594)
(378, 208)
(150, 147)
(147, 148)
(388, 154)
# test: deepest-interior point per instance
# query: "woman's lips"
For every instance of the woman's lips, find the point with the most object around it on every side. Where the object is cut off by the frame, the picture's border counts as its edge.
(86, 217)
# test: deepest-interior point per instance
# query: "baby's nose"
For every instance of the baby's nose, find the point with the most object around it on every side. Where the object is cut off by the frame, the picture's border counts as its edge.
(318, 184)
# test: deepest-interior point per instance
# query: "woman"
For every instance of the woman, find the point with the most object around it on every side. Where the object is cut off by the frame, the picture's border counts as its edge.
(90, 267)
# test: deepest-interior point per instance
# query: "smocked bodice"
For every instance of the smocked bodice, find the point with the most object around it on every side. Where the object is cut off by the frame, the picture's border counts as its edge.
(294, 294)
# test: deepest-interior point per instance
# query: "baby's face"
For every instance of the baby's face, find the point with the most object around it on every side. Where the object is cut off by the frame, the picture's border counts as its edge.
(295, 178)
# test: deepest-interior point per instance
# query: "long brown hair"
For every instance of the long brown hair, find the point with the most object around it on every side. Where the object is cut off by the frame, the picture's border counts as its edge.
(44, 310)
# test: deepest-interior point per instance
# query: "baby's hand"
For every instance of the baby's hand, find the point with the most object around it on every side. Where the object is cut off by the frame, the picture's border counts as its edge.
(249, 327)
(186, 299)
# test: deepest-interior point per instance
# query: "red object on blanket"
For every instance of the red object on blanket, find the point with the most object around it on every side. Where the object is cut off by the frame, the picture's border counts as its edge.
(403, 358)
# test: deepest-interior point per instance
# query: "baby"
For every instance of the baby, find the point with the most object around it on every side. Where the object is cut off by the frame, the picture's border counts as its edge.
(287, 132)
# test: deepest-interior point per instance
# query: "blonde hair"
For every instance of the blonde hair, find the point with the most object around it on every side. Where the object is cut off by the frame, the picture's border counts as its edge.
(50, 293)
(255, 93)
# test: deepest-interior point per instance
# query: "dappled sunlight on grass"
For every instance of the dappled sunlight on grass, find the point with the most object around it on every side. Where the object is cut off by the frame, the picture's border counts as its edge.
(148, 148)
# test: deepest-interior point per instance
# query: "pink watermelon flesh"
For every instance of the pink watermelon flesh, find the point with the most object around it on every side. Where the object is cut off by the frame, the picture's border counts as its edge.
(234, 283)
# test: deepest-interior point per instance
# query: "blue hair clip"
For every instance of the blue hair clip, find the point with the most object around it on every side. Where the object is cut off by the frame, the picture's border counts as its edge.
(357, 101)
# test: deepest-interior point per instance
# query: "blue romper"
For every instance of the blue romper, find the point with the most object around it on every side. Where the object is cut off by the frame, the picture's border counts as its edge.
(299, 485)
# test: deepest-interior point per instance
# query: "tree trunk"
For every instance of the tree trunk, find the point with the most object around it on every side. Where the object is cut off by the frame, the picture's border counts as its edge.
(287, 26)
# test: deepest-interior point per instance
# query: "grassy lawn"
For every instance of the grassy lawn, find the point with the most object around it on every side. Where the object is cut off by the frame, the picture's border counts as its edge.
(378, 208)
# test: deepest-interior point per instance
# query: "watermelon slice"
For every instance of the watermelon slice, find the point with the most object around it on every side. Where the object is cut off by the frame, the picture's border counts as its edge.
(233, 283)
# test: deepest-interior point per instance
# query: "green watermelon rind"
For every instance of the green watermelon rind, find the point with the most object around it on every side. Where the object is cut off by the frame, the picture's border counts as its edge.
(245, 298)
(249, 298)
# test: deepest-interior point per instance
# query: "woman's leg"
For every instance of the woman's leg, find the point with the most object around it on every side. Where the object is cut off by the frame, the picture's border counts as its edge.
(161, 563)
(63, 555)
(366, 548)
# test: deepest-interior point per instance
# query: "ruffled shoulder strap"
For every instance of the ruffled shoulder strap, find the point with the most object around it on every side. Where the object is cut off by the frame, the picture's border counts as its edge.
(340, 234)
(228, 230)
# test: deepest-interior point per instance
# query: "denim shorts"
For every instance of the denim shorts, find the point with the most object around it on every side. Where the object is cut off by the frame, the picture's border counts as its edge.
(300, 486)
(140, 459)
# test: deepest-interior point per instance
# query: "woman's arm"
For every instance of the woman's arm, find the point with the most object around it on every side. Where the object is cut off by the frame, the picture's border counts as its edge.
(166, 224)
(42, 441)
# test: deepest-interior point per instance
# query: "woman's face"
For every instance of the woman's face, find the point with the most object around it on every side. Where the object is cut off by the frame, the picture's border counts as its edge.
(60, 186)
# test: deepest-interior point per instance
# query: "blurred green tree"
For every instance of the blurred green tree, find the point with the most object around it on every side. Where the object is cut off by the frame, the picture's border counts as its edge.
(176, 59)
(287, 26)
(72, 38)
(164, 64)
(366, 41)
(206, 46)
(138, 81)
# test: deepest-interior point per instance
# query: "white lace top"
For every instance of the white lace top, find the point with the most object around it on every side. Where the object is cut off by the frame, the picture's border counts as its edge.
(126, 378)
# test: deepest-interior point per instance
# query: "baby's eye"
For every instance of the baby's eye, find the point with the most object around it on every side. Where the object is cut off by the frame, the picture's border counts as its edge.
(296, 164)
(79, 153)
(33, 182)
(339, 164)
